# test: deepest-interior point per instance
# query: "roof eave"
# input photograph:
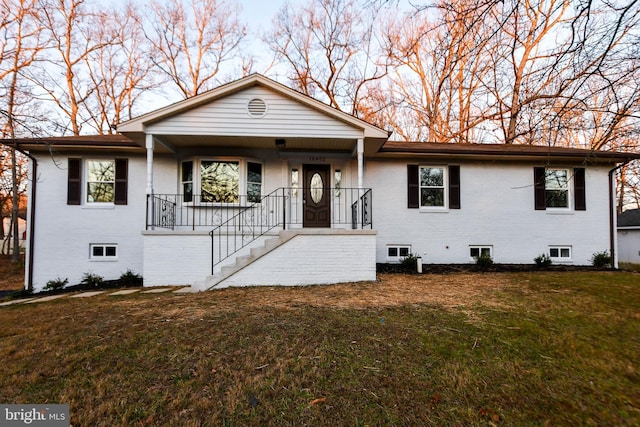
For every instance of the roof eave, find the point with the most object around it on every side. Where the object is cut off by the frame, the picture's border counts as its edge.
(593, 157)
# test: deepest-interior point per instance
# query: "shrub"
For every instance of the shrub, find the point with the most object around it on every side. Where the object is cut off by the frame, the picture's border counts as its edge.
(58, 283)
(22, 293)
(601, 259)
(129, 278)
(543, 260)
(92, 280)
(410, 263)
(484, 261)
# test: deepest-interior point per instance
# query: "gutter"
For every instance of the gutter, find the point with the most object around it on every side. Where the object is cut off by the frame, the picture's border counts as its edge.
(612, 212)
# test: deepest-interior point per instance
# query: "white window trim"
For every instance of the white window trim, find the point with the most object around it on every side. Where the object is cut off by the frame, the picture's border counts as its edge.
(480, 247)
(103, 258)
(445, 184)
(569, 207)
(560, 259)
(243, 182)
(399, 258)
(85, 183)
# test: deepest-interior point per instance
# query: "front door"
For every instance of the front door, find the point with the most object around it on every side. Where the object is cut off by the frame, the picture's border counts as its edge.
(317, 196)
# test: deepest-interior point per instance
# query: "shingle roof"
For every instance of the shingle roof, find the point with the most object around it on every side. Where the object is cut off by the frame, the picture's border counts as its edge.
(504, 150)
(630, 218)
(389, 148)
(82, 141)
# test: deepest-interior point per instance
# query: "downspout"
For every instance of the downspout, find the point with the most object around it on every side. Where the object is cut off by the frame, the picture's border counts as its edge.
(32, 220)
(32, 214)
(612, 212)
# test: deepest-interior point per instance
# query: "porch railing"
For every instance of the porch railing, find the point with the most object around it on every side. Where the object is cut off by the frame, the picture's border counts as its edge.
(349, 207)
(179, 212)
(233, 226)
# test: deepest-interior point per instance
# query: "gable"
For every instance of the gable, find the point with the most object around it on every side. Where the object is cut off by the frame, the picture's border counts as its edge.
(229, 116)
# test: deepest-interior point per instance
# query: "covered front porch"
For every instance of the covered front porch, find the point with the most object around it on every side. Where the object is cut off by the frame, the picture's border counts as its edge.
(231, 169)
(234, 227)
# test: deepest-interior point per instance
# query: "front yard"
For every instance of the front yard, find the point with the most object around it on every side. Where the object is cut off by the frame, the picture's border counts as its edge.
(453, 349)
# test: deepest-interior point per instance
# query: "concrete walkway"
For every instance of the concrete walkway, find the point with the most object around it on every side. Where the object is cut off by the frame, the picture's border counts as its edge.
(89, 294)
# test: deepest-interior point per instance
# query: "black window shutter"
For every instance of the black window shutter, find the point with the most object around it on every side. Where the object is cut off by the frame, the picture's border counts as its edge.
(539, 193)
(121, 182)
(74, 181)
(579, 189)
(413, 189)
(454, 187)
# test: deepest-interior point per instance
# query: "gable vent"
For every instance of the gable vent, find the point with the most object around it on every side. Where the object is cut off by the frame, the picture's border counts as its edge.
(257, 107)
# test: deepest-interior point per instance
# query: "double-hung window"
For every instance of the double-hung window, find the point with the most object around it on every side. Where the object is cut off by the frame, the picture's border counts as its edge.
(432, 180)
(559, 188)
(433, 187)
(556, 188)
(97, 181)
(221, 181)
(101, 181)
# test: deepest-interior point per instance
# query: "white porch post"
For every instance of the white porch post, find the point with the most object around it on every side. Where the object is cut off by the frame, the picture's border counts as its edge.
(149, 146)
(360, 163)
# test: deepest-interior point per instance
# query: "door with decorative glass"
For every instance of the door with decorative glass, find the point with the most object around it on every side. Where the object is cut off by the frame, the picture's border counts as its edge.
(316, 196)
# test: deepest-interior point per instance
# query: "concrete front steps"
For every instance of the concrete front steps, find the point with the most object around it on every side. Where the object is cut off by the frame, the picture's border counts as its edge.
(301, 257)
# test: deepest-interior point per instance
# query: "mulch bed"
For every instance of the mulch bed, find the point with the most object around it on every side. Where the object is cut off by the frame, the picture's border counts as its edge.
(473, 268)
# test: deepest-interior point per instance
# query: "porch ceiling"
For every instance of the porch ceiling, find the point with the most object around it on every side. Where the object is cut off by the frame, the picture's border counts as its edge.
(173, 143)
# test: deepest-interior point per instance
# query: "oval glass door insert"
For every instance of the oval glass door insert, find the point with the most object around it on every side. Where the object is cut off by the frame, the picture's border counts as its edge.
(316, 188)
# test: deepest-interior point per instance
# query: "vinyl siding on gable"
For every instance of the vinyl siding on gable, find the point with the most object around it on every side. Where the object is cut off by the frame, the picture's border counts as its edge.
(229, 117)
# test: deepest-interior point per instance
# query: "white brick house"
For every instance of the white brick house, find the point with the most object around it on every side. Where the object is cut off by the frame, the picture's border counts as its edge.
(254, 183)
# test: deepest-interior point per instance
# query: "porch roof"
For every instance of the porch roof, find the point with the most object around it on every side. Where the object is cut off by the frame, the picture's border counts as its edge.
(226, 117)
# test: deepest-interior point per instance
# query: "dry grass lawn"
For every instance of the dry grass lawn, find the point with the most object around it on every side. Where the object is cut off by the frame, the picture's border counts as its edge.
(11, 274)
(453, 349)
(447, 290)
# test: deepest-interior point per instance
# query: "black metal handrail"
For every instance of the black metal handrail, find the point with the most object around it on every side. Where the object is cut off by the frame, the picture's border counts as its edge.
(180, 212)
(249, 224)
(284, 207)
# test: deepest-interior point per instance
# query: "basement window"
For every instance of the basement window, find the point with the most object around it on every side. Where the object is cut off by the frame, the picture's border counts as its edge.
(560, 253)
(103, 252)
(396, 253)
(478, 251)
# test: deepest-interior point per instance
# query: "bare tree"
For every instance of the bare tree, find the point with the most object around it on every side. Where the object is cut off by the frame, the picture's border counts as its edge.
(75, 32)
(327, 46)
(120, 71)
(190, 43)
(19, 48)
(438, 65)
